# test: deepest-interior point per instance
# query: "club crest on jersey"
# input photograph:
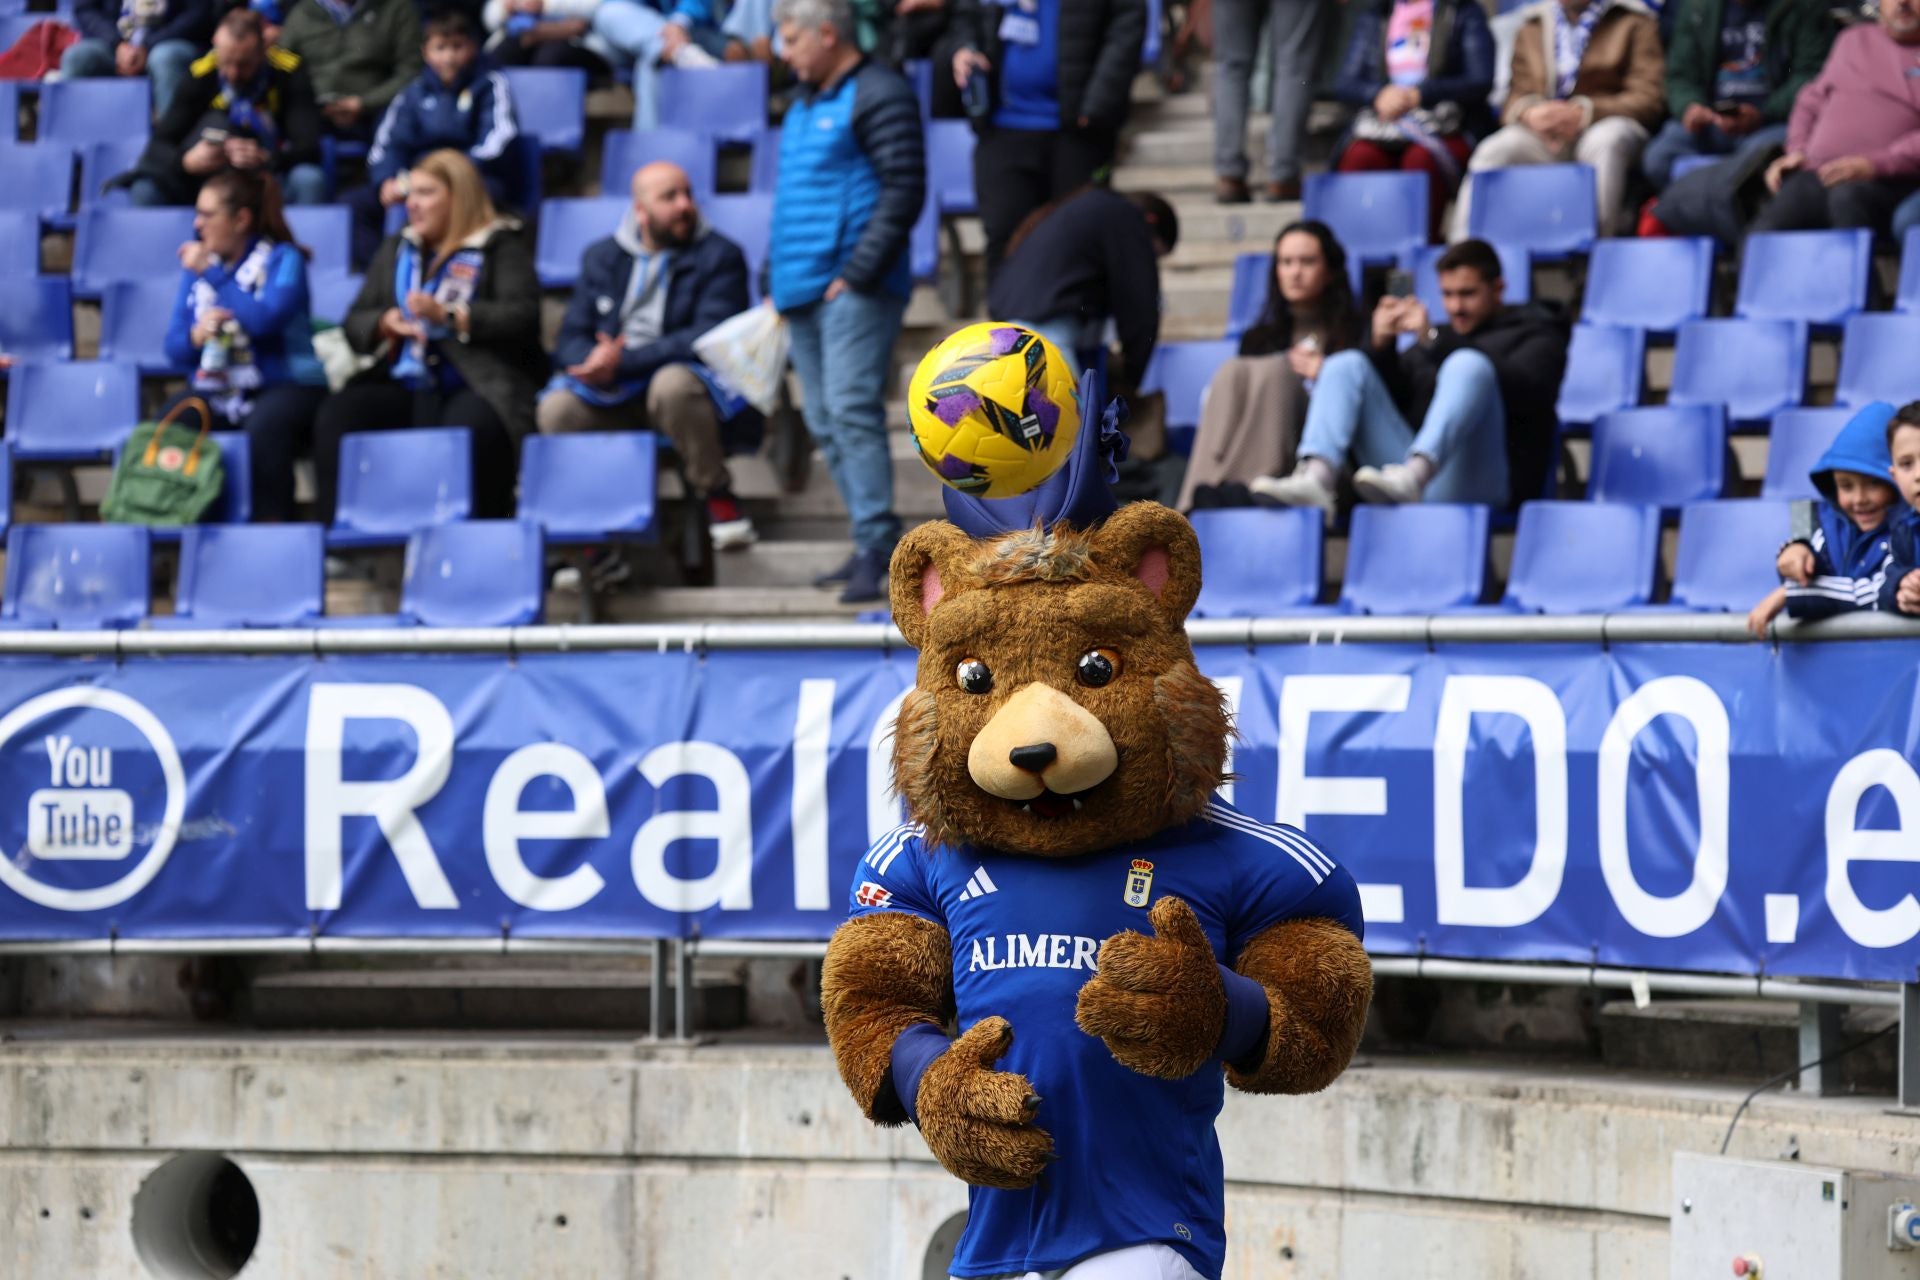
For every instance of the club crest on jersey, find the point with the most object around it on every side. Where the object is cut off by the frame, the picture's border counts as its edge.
(870, 894)
(1139, 883)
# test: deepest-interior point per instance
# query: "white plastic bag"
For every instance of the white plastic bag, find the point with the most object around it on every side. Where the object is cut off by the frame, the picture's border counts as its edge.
(748, 352)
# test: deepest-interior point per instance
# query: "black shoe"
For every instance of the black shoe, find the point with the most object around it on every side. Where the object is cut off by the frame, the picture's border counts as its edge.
(838, 577)
(867, 580)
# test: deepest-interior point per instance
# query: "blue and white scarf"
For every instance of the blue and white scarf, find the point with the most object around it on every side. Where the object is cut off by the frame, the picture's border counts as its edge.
(229, 389)
(1570, 43)
(250, 108)
(452, 285)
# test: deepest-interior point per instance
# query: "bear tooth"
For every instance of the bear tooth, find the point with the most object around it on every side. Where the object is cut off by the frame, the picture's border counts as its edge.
(1026, 808)
(1076, 806)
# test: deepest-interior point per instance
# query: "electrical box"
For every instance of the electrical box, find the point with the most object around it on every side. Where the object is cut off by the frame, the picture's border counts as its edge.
(1783, 1220)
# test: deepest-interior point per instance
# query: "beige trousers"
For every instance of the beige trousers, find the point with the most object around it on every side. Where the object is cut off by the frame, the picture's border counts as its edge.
(676, 404)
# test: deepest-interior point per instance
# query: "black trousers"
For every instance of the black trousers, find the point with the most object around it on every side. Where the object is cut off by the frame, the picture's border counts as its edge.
(279, 427)
(1805, 204)
(1015, 172)
(381, 404)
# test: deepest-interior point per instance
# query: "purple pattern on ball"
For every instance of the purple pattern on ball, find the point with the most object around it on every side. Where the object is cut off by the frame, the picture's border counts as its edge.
(951, 409)
(1006, 339)
(953, 468)
(1045, 411)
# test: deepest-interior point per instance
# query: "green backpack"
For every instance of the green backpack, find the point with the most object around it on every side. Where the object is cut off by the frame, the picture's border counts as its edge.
(167, 474)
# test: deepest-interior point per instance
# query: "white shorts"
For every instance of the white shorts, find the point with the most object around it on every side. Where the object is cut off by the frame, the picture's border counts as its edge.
(1138, 1262)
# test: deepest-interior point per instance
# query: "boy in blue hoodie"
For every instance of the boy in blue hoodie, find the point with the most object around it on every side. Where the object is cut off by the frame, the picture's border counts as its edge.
(1842, 565)
(460, 102)
(1900, 592)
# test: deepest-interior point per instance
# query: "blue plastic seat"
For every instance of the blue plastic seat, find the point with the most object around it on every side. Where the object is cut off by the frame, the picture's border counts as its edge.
(100, 163)
(590, 486)
(626, 150)
(727, 103)
(1182, 370)
(250, 575)
(1666, 456)
(1907, 295)
(1260, 561)
(36, 322)
(1582, 557)
(1426, 557)
(10, 104)
(1252, 285)
(923, 241)
(1795, 442)
(747, 220)
(1376, 217)
(71, 411)
(6, 486)
(567, 227)
(1516, 277)
(950, 165)
(1605, 367)
(134, 315)
(80, 577)
(550, 104)
(919, 74)
(1682, 166)
(765, 172)
(395, 483)
(1724, 561)
(1657, 285)
(79, 112)
(324, 231)
(1754, 367)
(19, 247)
(1877, 360)
(1546, 209)
(1819, 277)
(330, 295)
(112, 244)
(37, 178)
(475, 573)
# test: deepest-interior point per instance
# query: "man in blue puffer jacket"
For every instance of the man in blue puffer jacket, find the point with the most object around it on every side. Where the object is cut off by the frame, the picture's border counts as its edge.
(852, 181)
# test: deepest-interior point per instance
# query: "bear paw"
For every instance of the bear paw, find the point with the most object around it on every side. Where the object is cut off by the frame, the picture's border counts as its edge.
(1158, 1002)
(977, 1121)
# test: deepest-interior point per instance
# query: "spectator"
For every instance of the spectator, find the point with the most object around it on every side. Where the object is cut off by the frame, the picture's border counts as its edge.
(1585, 88)
(1057, 78)
(1420, 72)
(852, 182)
(1296, 29)
(646, 35)
(1256, 404)
(246, 106)
(545, 33)
(1900, 592)
(360, 53)
(1733, 69)
(1091, 258)
(457, 102)
(158, 39)
(1482, 388)
(453, 306)
(241, 323)
(626, 347)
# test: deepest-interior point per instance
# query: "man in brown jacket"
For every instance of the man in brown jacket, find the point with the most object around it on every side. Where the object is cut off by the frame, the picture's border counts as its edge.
(1587, 83)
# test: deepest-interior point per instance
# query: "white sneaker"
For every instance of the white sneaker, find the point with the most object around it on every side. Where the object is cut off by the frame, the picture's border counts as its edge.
(1392, 485)
(1297, 490)
(731, 535)
(693, 58)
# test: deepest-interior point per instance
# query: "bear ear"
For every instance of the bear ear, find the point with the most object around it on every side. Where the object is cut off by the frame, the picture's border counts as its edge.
(928, 565)
(1156, 545)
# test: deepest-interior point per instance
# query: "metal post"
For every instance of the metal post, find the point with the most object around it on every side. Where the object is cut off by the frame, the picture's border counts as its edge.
(1819, 1036)
(657, 989)
(682, 990)
(1910, 1046)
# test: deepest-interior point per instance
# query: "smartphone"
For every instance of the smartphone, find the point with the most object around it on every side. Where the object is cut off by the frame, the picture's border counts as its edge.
(1726, 107)
(976, 96)
(1399, 283)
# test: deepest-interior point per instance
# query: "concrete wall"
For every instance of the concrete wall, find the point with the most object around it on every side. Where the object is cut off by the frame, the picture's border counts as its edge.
(390, 1157)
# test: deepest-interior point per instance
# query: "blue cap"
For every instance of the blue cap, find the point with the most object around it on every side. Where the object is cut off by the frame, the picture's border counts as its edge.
(1861, 447)
(1079, 493)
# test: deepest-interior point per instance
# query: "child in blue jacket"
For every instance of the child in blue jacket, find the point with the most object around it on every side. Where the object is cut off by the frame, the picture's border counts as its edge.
(1900, 592)
(1842, 565)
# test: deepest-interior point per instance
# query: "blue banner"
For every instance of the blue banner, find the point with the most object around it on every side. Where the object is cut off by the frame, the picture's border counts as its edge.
(1727, 808)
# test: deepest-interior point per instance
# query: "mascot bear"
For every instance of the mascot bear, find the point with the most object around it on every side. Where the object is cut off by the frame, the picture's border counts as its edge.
(1112, 942)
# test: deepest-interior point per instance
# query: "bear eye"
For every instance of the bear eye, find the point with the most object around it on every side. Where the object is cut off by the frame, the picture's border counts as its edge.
(973, 676)
(1098, 667)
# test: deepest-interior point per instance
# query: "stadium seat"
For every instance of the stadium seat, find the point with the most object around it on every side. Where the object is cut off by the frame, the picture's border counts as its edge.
(923, 241)
(6, 486)
(1657, 285)
(394, 483)
(1907, 295)
(74, 411)
(919, 74)
(250, 575)
(727, 103)
(1260, 560)
(1182, 370)
(747, 220)
(37, 178)
(80, 577)
(1795, 442)
(1666, 456)
(1546, 209)
(19, 247)
(550, 104)
(590, 486)
(475, 573)
(1426, 557)
(9, 109)
(765, 173)
(1724, 561)
(1684, 165)
(36, 322)
(134, 315)
(324, 231)
(950, 166)
(1877, 360)
(1555, 566)
(126, 244)
(330, 295)
(101, 163)
(79, 112)
(625, 150)
(1516, 273)
(567, 227)
(1377, 217)
(1605, 367)
(1754, 367)
(1819, 277)
(1252, 284)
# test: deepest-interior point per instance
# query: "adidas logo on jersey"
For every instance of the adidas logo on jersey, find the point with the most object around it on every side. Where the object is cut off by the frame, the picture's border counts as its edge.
(978, 885)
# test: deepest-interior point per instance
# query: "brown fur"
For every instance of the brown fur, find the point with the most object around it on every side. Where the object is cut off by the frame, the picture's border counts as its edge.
(1157, 1002)
(978, 1122)
(883, 973)
(1319, 984)
(1060, 554)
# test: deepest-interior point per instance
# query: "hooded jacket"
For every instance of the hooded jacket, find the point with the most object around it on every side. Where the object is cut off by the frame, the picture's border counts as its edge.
(1903, 529)
(1849, 563)
(1623, 72)
(474, 114)
(1099, 53)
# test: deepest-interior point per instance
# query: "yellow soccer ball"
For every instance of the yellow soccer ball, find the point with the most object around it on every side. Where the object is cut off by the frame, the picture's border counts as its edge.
(994, 410)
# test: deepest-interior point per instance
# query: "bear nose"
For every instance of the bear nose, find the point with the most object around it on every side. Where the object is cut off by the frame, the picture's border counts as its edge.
(1034, 758)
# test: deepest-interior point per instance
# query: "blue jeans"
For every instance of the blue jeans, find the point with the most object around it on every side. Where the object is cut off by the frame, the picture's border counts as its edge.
(1906, 216)
(167, 65)
(1064, 332)
(305, 184)
(1465, 431)
(843, 351)
(632, 30)
(1674, 141)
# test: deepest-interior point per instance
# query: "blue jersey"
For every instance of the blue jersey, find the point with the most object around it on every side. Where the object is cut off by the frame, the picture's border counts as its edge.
(1025, 934)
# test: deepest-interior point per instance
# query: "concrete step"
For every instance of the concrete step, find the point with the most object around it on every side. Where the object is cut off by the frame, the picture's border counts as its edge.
(1737, 1039)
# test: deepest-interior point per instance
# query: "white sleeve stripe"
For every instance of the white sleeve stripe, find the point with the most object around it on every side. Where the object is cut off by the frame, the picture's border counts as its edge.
(888, 846)
(503, 130)
(382, 137)
(1298, 840)
(1233, 823)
